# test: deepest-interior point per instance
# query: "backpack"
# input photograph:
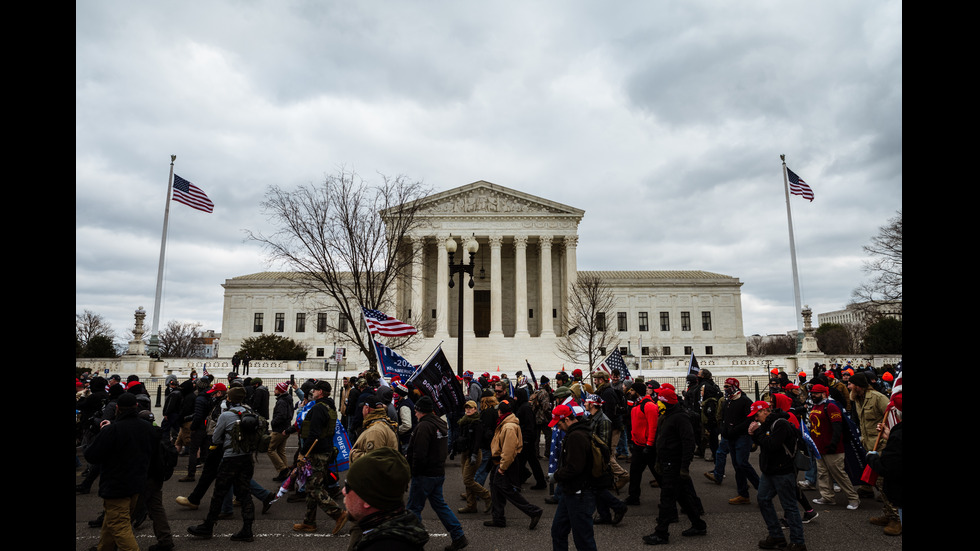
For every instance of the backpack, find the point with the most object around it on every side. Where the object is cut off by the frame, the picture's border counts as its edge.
(250, 432)
(168, 457)
(709, 409)
(601, 473)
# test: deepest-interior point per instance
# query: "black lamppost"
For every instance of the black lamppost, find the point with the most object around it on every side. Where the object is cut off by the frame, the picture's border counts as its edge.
(471, 247)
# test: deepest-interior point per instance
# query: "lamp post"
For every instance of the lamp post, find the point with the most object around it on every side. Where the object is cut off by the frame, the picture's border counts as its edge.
(462, 268)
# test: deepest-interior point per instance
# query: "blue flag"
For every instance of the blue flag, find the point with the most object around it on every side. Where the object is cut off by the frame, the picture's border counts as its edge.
(392, 363)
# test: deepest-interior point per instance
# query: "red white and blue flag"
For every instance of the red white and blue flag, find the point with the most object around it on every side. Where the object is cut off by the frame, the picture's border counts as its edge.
(380, 324)
(797, 186)
(191, 195)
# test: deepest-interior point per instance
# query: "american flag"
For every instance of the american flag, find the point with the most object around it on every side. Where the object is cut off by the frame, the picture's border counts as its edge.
(615, 361)
(380, 324)
(191, 195)
(892, 415)
(797, 186)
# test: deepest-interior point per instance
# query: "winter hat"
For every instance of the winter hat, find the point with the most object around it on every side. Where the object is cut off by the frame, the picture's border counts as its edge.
(236, 395)
(859, 379)
(425, 405)
(283, 387)
(381, 464)
(667, 395)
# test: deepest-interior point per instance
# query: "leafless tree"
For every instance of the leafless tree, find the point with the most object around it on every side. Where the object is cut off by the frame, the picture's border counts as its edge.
(882, 293)
(88, 324)
(587, 318)
(344, 242)
(181, 340)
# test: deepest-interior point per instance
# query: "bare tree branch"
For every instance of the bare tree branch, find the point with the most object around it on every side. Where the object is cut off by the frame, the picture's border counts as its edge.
(884, 288)
(588, 321)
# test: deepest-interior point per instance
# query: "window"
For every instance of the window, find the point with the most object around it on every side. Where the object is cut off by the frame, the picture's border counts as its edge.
(530, 313)
(600, 321)
(280, 322)
(257, 323)
(666, 351)
(708, 350)
(321, 322)
(621, 320)
(624, 350)
(319, 352)
(645, 350)
(341, 322)
(644, 321)
(664, 321)
(688, 350)
(300, 323)
(602, 351)
(554, 312)
(706, 321)
(433, 313)
(685, 321)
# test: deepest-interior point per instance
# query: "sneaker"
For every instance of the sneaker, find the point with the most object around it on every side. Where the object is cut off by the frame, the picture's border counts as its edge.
(853, 505)
(618, 516)
(836, 488)
(806, 485)
(739, 500)
(181, 500)
(822, 501)
(783, 524)
(809, 515)
(772, 543)
(534, 520)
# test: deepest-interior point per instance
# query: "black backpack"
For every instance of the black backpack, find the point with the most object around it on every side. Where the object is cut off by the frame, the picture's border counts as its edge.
(250, 433)
(168, 457)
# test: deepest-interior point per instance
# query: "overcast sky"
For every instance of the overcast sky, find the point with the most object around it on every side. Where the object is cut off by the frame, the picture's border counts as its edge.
(663, 120)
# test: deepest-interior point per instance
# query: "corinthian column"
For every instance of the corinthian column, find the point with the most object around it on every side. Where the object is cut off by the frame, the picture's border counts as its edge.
(547, 322)
(496, 300)
(442, 288)
(520, 285)
(418, 244)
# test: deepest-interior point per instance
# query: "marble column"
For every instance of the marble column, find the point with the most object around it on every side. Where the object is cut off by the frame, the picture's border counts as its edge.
(547, 321)
(418, 250)
(520, 286)
(496, 288)
(442, 288)
(571, 270)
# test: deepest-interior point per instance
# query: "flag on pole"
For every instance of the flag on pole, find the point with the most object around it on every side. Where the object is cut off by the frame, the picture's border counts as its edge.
(615, 361)
(191, 195)
(437, 380)
(380, 324)
(692, 368)
(797, 186)
(392, 364)
(531, 371)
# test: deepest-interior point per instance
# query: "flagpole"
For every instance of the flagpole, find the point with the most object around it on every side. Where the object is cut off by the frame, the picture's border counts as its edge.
(792, 251)
(427, 358)
(154, 349)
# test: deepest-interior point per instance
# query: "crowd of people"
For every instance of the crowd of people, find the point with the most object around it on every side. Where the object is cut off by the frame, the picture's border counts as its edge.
(831, 429)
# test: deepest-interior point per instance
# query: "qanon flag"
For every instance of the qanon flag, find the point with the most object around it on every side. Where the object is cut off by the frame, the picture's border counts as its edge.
(437, 380)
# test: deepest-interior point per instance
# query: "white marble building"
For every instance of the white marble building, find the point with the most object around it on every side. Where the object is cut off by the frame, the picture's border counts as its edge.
(523, 272)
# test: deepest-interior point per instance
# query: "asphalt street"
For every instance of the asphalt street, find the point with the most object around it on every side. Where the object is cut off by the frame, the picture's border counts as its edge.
(730, 527)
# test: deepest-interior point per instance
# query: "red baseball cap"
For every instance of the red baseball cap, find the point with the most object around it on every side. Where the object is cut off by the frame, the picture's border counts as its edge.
(668, 395)
(576, 373)
(217, 387)
(757, 407)
(560, 412)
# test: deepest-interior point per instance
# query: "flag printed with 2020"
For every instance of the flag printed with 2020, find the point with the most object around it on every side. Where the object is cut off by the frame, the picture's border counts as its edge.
(380, 324)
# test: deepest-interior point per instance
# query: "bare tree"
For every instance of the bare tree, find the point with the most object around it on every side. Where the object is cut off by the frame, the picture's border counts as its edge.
(344, 243)
(88, 325)
(181, 340)
(588, 321)
(882, 293)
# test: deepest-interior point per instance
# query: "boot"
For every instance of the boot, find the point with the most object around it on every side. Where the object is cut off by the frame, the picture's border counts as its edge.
(204, 530)
(894, 528)
(245, 534)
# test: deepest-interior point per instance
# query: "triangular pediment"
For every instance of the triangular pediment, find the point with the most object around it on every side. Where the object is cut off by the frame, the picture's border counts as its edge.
(487, 199)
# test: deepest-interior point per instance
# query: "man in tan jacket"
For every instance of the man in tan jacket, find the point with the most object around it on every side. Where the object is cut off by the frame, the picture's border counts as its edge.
(505, 474)
(870, 406)
(379, 430)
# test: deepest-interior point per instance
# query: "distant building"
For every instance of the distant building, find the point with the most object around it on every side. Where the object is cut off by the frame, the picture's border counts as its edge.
(858, 313)
(523, 272)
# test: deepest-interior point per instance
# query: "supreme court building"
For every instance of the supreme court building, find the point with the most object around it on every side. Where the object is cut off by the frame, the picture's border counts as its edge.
(523, 273)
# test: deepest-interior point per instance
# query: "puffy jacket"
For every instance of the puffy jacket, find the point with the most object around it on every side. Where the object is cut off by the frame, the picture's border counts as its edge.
(777, 439)
(644, 417)
(123, 450)
(429, 447)
(507, 441)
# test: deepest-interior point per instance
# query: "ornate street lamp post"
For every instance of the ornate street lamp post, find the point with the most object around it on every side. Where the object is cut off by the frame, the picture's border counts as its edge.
(462, 268)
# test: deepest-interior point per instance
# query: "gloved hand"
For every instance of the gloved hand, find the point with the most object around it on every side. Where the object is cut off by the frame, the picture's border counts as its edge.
(472, 458)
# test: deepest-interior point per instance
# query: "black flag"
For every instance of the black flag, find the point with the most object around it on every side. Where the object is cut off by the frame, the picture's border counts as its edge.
(437, 380)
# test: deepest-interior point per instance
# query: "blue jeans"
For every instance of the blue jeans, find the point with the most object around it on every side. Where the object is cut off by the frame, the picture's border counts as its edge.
(574, 514)
(784, 486)
(811, 473)
(257, 490)
(484, 469)
(430, 488)
(721, 458)
(744, 472)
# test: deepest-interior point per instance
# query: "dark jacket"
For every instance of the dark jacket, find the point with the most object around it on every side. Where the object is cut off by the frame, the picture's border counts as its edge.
(525, 415)
(575, 462)
(282, 413)
(888, 465)
(202, 407)
(260, 401)
(735, 419)
(777, 439)
(675, 439)
(322, 423)
(469, 438)
(429, 447)
(123, 449)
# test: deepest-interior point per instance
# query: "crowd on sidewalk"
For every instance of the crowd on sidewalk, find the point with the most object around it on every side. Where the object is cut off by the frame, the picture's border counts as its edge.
(838, 432)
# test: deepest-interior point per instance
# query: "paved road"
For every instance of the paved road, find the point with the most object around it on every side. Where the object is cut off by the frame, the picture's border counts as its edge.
(730, 527)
